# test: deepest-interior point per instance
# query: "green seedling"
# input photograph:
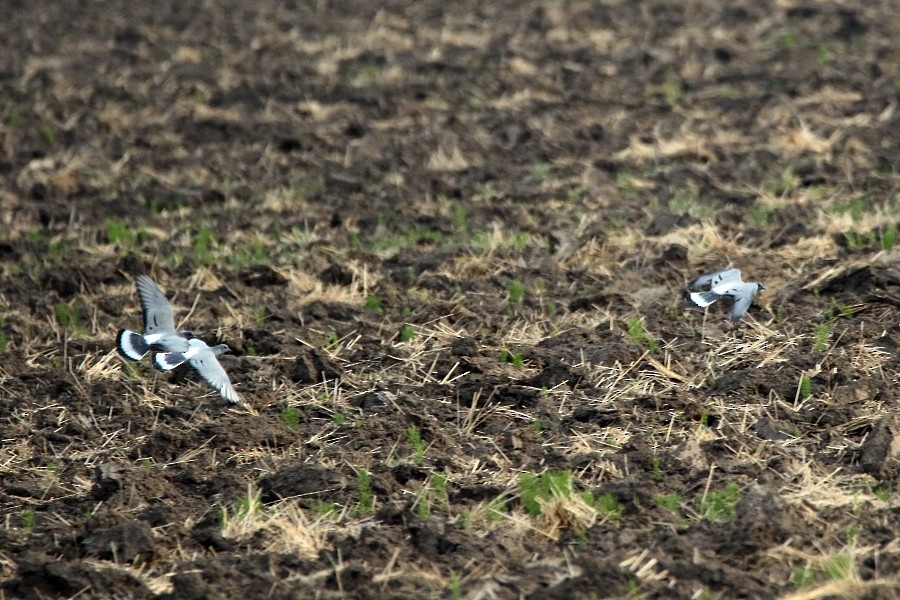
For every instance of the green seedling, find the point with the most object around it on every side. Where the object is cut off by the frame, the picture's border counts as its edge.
(339, 418)
(414, 437)
(606, 504)
(516, 291)
(202, 247)
(513, 358)
(332, 341)
(670, 501)
(455, 586)
(822, 333)
(408, 332)
(119, 233)
(719, 505)
(291, 417)
(29, 519)
(366, 497)
(373, 303)
(638, 335)
(805, 387)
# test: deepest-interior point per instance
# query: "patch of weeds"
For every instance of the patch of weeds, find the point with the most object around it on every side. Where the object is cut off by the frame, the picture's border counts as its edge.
(513, 358)
(804, 388)
(55, 249)
(68, 316)
(656, 465)
(856, 207)
(251, 351)
(414, 437)
(625, 184)
(759, 215)
(690, 203)
(496, 509)
(438, 485)
(487, 191)
(332, 341)
(719, 504)
(121, 234)
(537, 427)
(670, 501)
(704, 418)
(423, 504)
(251, 506)
(460, 220)
(889, 238)
(516, 291)
(838, 567)
(326, 509)
(638, 335)
(4, 343)
(291, 417)
(202, 246)
(373, 303)
(605, 504)
(366, 497)
(259, 315)
(781, 183)
(454, 586)
(824, 56)
(408, 332)
(339, 418)
(789, 41)
(671, 87)
(538, 173)
(821, 335)
(253, 255)
(49, 134)
(29, 519)
(545, 486)
(803, 577)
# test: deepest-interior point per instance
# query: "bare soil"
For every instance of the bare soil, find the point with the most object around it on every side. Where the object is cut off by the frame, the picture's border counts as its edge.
(448, 244)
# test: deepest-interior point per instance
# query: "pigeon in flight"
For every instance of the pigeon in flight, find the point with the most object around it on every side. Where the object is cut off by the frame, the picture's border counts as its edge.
(159, 325)
(722, 284)
(203, 359)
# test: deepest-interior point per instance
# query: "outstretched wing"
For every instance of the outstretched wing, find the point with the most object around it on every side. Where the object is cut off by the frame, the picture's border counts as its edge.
(719, 277)
(156, 309)
(166, 361)
(208, 367)
(743, 297)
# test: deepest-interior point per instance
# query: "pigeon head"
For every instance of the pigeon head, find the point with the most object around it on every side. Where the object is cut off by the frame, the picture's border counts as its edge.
(759, 287)
(221, 349)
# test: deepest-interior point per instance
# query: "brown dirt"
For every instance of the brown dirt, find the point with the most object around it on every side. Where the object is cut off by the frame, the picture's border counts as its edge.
(469, 223)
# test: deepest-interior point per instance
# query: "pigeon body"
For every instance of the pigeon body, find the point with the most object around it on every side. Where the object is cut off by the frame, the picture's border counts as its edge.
(159, 325)
(203, 359)
(723, 284)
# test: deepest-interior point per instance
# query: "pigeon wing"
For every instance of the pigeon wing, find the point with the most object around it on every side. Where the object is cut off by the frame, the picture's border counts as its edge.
(157, 311)
(743, 297)
(208, 367)
(166, 361)
(714, 279)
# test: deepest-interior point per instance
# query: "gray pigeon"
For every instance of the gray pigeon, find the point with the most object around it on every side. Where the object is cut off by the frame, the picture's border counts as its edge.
(203, 359)
(726, 283)
(159, 325)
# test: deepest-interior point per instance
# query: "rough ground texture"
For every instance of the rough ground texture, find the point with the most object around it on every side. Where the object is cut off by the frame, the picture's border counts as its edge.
(448, 244)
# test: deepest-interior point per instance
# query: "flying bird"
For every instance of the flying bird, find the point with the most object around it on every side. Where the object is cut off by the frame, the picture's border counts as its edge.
(723, 284)
(203, 359)
(159, 325)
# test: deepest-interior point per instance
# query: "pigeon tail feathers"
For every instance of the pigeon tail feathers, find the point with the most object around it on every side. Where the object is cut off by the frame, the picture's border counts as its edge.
(704, 299)
(131, 345)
